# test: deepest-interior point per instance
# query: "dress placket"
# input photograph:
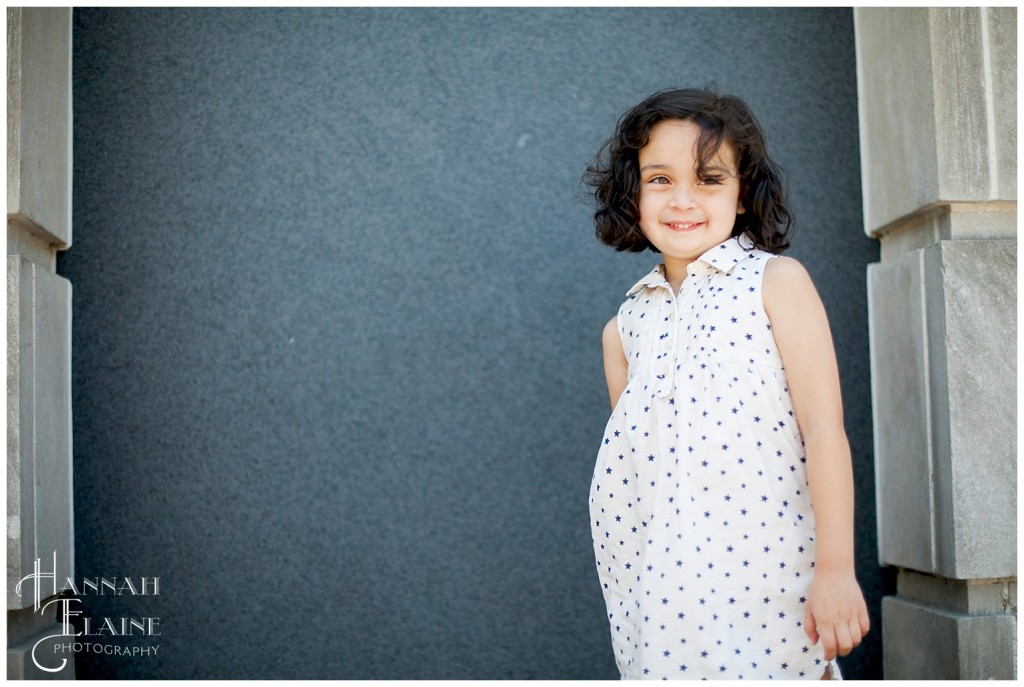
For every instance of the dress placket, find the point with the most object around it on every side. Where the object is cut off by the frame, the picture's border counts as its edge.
(664, 361)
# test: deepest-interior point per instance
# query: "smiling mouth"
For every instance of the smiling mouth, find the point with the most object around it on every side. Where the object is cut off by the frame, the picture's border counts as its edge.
(683, 226)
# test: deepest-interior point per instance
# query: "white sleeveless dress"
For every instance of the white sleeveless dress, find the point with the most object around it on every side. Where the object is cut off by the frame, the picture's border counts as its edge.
(700, 510)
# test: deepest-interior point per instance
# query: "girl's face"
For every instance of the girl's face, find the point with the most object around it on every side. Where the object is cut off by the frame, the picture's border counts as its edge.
(680, 214)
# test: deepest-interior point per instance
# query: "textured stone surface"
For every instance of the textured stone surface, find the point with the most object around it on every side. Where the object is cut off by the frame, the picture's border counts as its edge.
(961, 108)
(39, 480)
(1001, 35)
(897, 122)
(943, 334)
(953, 221)
(903, 469)
(959, 596)
(25, 628)
(20, 663)
(22, 624)
(938, 136)
(972, 341)
(934, 644)
(987, 647)
(921, 642)
(978, 221)
(39, 122)
(918, 231)
(936, 108)
(30, 246)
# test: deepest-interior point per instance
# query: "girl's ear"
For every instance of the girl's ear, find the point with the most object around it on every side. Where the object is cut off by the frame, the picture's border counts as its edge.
(739, 208)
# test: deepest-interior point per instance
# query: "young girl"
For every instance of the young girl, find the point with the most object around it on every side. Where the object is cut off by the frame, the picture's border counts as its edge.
(722, 499)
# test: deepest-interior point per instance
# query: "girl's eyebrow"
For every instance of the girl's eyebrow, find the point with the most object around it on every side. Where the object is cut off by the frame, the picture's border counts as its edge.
(724, 169)
(711, 168)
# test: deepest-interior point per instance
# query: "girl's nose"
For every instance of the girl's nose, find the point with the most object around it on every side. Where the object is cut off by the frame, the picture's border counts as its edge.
(682, 197)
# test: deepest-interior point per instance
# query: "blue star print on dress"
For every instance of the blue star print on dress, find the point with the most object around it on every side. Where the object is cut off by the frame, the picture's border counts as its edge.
(700, 510)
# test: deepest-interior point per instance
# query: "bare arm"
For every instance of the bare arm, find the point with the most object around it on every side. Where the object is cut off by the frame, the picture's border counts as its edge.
(615, 366)
(836, 611)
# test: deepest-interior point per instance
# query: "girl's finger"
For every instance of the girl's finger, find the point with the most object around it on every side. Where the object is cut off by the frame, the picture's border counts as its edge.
(865, 622)
(828, 641)
(844, 643)
(809, 628)
(853, 627)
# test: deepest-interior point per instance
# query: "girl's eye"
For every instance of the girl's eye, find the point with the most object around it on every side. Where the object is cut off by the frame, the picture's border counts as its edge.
(658, 180)
(711, 181)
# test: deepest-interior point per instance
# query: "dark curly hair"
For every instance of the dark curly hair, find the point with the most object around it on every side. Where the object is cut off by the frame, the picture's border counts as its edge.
(614, 177)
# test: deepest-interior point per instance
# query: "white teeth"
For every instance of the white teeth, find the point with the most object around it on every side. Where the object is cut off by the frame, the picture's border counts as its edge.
(683, 225)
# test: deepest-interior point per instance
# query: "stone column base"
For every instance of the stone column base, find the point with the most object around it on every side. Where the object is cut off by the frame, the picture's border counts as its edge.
(942, 629)
(25, 628)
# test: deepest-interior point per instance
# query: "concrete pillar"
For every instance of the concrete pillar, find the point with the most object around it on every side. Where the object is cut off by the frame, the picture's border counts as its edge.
(937, 90)
(40, 534)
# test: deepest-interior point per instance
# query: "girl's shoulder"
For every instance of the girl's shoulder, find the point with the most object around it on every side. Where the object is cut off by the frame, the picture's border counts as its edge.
(785, 272)
(783, 267)
(786, 281)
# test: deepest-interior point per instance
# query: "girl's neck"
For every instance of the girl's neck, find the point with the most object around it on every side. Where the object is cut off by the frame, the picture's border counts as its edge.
(675, 272)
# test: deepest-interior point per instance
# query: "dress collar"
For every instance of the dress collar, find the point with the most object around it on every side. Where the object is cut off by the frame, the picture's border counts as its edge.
(728, 253)
(722, 257)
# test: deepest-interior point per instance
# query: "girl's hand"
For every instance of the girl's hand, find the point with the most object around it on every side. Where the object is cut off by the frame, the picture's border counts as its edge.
(836, 613)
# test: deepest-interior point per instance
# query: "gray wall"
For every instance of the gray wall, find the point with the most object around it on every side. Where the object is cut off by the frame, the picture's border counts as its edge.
(336, 366)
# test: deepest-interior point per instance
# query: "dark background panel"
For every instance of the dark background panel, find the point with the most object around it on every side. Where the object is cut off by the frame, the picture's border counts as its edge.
(337, 310)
